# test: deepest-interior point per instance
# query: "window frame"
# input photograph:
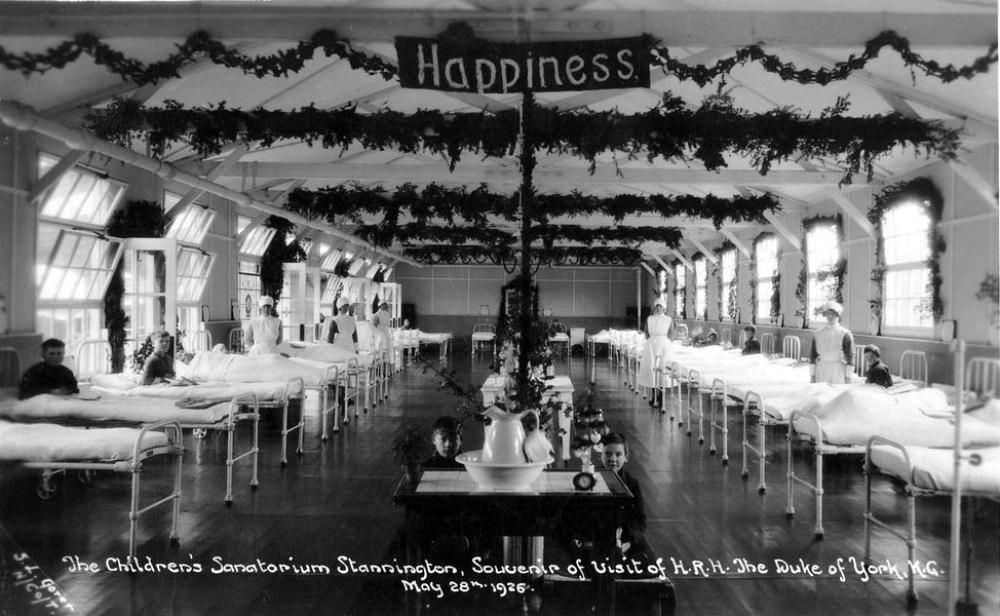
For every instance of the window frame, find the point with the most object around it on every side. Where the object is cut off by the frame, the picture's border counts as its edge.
(724, 299)
(765, 298)
(914, 331)
(700, 288)
(813, 274)
(680, 290)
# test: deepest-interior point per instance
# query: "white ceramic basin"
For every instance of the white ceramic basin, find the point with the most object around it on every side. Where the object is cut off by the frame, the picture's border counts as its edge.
(501, 477)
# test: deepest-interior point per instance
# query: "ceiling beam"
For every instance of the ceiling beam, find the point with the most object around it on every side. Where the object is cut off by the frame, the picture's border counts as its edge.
(470, 175)
(681, 24)
(776, 222)
(736, 241)
(684, 260)
(211, 176)
(852, 211)
(49, 180)
(983, 187)
(650, 270)
(709, 255)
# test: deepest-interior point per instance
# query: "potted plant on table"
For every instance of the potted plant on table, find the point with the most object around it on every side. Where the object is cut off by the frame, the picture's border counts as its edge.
(409, 448)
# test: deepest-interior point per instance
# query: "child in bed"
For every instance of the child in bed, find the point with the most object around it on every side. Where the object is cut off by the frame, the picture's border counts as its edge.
(752, 345)
(159, 365)
(877, 372)
(49, 376)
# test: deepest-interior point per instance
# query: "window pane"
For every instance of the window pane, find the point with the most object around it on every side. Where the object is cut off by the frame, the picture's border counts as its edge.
(824, 249)
(81, 264)
(701, 282)
(80, 195)
(764, 288)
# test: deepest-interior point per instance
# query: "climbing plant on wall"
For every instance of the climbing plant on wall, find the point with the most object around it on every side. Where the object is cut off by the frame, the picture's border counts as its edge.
(134, 219)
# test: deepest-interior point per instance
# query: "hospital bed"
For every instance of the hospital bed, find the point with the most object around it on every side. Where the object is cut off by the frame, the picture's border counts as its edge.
(484, 335)
(808, 412)
(56, 449)
(973, 469)
(441, 339)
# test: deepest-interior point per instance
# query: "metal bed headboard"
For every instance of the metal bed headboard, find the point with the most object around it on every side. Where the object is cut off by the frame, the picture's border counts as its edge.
(767, 343)
(791, 346)
(913, 366)
(682, 332)
(726, 338)
(91, 357)
(201, 340)
(236, 340)
(983, 376)
(10, 367)
(859, 360)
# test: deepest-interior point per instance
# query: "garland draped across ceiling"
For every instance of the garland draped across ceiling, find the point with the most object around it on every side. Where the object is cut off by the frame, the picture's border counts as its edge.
(450, 218)
(201, 44)
(670, 131)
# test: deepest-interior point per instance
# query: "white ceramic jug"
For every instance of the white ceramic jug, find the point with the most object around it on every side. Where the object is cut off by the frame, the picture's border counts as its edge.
(504, 442)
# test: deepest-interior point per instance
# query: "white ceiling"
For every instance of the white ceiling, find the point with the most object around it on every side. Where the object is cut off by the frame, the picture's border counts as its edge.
(808, 34)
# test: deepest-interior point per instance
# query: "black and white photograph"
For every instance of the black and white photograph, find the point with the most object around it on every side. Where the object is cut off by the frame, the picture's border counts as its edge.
(499, 307)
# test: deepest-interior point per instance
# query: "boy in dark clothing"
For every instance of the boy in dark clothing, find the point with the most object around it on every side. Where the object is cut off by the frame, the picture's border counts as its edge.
(633, 541)
(752, 345)
(159, 365)
(877, 373)
(447, 439)
(49, 376)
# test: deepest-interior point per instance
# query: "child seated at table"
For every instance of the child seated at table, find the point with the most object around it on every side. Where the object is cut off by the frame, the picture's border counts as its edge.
(632, 537)
(752, 345)
(49, 376)
(447, 440)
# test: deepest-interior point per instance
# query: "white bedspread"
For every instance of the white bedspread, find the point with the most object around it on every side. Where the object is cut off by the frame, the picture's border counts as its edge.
(934, 469)
(126, 385)
(868, 410)
(52, 443)
(327, 353)
(433, 337)
(111, 408)
(215, 366)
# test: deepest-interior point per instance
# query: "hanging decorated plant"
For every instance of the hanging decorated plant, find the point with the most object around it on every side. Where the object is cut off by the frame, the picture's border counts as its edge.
(134, 219)
(278, 252)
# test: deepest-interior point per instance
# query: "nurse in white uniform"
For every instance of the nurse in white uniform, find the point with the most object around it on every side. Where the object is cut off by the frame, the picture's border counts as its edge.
(832, 348)
(657, 347)
(343, 330)
(262, 334)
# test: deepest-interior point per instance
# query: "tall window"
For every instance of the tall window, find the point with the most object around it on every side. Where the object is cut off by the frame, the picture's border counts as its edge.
(701, 286)
(249, 289)
(190, 224)
(766, 252)
(74, 260)
(679, 282)
(661, 286)
(823, 247)
(906, 232)
(728, 273)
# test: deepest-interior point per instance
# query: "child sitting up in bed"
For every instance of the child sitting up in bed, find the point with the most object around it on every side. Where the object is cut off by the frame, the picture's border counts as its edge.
(447, 439)
(877, 372)
(49, 376)
(159, 365)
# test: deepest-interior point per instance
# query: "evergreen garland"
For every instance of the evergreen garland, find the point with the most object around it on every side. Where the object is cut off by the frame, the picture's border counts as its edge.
(201, 45)
(671, 131)
(436, 203)
(385, 234)
(507, 256)
(776, 297)
(198, 46)
(134, 219)
(702, 74)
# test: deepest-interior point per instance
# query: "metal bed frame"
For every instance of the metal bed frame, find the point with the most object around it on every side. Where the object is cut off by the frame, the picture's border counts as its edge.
(913, 366)
(982, 376)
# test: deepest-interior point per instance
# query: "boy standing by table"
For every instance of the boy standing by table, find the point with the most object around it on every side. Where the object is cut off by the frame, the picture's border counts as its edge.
(632, 537)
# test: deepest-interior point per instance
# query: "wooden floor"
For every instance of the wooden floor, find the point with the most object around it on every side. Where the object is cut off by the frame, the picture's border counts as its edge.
(335, 501)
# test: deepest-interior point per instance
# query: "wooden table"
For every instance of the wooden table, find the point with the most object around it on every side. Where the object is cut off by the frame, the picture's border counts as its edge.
(560, 388)
(549, 505)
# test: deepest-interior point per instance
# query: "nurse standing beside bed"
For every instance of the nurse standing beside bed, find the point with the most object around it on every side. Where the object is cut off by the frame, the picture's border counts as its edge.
(262, 334)
(832, 353)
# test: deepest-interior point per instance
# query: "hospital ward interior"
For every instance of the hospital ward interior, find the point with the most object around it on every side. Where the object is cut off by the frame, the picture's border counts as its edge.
(489, 307)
